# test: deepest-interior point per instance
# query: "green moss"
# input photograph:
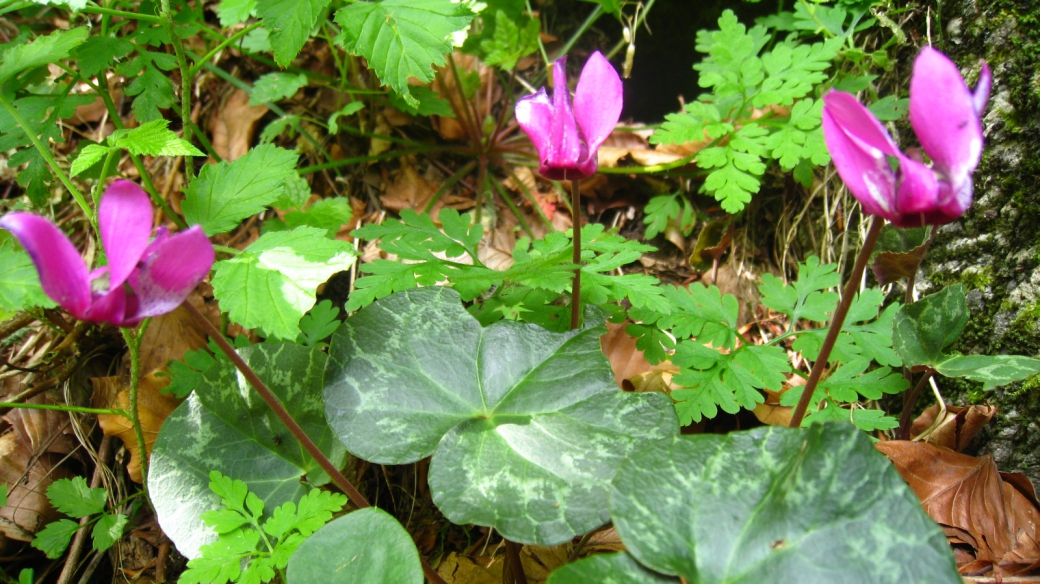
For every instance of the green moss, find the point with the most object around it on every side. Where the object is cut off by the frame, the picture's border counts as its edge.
(976, 279)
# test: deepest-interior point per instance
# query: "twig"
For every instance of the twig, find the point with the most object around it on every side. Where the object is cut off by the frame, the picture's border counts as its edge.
(837, 321)
(279, 410)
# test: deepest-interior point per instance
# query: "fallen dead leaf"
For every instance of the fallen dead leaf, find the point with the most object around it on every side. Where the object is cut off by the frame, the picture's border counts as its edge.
(658, 378)
(968, 497)
(27, 476)
(538, 563)
(409, 190)
(610, 157)
(233, 126)
(625, 359)
(958, 426)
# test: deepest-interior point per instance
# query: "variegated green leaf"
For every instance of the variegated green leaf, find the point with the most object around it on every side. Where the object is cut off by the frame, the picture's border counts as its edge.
(776, 504)
(225, 426)
(526, 426)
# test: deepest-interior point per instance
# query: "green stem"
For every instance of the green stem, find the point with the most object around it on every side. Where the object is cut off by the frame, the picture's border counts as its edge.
(131, 15)
(466, 168)
(576, 258)
(530, 199)
(638, 23)
(512, 207)
(228, 250)
(106, 168)
(360, 159)
(223, 45)
(837, 321)
(133, 343)
(186, 79)
(61, 408)
(47, 156)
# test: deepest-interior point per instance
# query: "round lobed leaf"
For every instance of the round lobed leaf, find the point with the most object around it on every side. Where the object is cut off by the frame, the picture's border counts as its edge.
(619, 568)
(526, 426)
(367, 546)
(776, 505)
(226, 426)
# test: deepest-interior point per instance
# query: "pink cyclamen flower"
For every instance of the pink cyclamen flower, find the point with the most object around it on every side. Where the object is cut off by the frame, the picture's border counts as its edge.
(142, 278)
(568, 140)
(945, 115)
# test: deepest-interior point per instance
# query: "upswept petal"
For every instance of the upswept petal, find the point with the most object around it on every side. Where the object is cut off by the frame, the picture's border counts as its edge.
(981, 95)
(534, 113)
(944, 115)
(63, 273)
(860, 148)
(565, 143)
(125, 222)
(597, 101)
(168, 275)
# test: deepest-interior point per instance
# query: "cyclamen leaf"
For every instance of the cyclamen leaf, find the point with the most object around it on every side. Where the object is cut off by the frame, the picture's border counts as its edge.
(289, 23)
(328, 214)
(73, 497)
(226, 193)
(991, 370)
(616, 568)
(43, 50)
(155, 139)
(485, 403)
(276, 87)
(272, 283)
(402, 38)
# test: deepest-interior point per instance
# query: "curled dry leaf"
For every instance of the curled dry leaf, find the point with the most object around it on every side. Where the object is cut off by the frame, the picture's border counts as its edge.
(658, 378)
(958, 426)
(976, 505)
(538, 562)
(233, 126)
(625, 359)
(409, 190)
(167, 337)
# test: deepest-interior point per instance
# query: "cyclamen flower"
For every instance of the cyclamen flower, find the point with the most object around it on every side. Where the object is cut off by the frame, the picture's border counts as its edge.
(568, 140)
(141, 279)
(945, 115)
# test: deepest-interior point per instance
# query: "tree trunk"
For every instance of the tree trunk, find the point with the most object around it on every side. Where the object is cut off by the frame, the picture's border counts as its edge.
(995, 248)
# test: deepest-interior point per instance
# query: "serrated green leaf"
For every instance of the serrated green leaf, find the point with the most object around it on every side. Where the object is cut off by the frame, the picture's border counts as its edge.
(232, 12)
(367, 546)
(805, 298)
(318, 324)
(19, 282)
(662, 209)
(226, 193)
(74, 498)
(509, 449)
(730, 381)
(776, 505)
(274, 87)
(36, 176)
(99, 53)
(511, 40)
(702, 312)
(107, 531)
(402, 38)
(289, 23)
(40, 52)
(272, 283)
(153, 91)
(328, 214)
(90, 156)
(225, 427)
(422, 101)
(55, 538)
(224, 520)
(155, 139)
(221, 561)
(187, 374)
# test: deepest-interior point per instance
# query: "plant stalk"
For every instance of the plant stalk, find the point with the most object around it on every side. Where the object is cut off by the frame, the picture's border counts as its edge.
(837, 321)
(517, 568)
(279, 410)
(908, 406)
(576, 258)
(133, 343)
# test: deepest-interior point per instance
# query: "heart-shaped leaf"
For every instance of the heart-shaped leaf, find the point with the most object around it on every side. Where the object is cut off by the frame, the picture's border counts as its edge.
(225, 426)
(526, 426)
(619, 568)
(776, 505)
(991, 370)
(367, 546)
(920, 331)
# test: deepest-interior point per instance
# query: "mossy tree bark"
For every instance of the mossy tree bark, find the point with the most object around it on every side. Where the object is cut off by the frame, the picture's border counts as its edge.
(995, 248)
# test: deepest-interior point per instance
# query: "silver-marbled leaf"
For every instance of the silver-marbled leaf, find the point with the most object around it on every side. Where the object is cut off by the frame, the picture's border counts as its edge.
(617, 568)
(526, 426)
(776, 505)
(225, 426)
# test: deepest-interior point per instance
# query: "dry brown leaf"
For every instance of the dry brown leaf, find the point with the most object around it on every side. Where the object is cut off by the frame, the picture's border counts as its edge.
(496, 249)
(773, 414)
(538, 562)
(967, 493)
(456, 569)
(409, 190)
(27, 476)
(958, 426)
(606, 540)
(658, 378)
(625, 359)
(233, 126)
(610, 156)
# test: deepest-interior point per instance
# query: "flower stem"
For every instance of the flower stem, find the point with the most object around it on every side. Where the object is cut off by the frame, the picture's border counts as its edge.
(837, 321)
(133, 343)
(131, 15)
(908, 406)
(186, 80)
(46, 154)
(286, 418)
(576, 258)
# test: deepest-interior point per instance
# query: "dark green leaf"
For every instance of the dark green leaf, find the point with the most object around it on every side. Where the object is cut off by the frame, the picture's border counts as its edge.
(923, 329)
(290, 23)
(772, 504)
(414, 375)
(367, 546)
(107, 531)
(73, 497)
(619, 568)
(55, 538)
(991, 370)
(47, 49)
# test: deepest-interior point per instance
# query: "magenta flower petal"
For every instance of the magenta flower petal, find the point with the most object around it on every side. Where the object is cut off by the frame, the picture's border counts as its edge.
(63, 273)
(918, 190)
(110, 308)
(125, 222)
(534, 113)
(860, 148)
(944, 114)
(566, 149)
(597, 101)
(169, 274)
(981, 95)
